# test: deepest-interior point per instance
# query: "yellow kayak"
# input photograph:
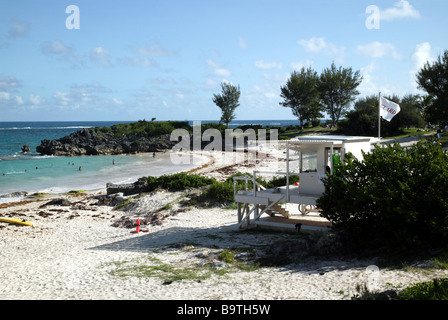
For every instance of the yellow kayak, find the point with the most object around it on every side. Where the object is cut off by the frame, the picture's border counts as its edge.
(16, 221)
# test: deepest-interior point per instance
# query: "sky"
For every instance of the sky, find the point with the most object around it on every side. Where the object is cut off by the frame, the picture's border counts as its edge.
(130, 60)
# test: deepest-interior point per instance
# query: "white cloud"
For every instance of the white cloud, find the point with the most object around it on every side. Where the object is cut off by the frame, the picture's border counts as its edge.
(401, 9)
(242, 43)
(55, 47)
(261, 64)
(218, 70)
(422, 54)
(19, 100)
(367, 86)
(137, 62)
(117, 101)
(154, 50)
(19, 29)
(298, 65)
(4, 96)
(35, 99)
(9, 83)
(378, 49)
(62, 98)
(320, 45)
(101, 56)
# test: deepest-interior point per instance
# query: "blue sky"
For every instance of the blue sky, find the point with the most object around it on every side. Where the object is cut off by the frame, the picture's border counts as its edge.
(139, 59)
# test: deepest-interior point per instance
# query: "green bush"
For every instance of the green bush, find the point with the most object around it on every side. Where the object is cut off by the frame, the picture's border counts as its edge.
(396, 199)
(221, 191)
(279, 182)
(177, 181)
(436, 289)
(145, 128)
(315, 122)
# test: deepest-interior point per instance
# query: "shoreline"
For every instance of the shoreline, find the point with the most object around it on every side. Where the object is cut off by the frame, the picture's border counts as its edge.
(75, 252)
(127, 174)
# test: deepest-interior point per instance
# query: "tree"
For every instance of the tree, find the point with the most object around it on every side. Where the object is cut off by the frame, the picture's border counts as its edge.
(337, 87)
(433, 78)
(395, 198)
(227, 102)
(301, 95)
(410, 115)
(424, 103)
(363, 119)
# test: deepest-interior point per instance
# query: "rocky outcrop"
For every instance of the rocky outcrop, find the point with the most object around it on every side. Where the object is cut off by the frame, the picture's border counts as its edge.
(96, 142)
(127, 188)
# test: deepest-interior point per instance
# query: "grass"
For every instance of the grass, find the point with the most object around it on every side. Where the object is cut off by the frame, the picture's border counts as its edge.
(409, 133)
(39, 195)
(436, 289)
(76, 192)
(286, 133)
(193, 270)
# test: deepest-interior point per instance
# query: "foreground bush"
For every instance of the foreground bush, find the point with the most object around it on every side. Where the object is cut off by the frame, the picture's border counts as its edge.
(395, 200)
(216, 190)
(436, 289)
(177, 181)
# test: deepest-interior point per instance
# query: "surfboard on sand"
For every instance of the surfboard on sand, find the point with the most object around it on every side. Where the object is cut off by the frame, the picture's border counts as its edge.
(16, 221)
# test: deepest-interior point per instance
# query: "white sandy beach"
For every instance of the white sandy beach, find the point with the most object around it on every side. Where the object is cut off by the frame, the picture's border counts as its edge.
(73, 252)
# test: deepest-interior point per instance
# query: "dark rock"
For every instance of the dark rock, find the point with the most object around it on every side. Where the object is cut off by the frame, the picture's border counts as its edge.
(127, 222)
(92, 141)
(57, 202)
(17, 194)
(111, 199)
(127, 188)
(25, 149)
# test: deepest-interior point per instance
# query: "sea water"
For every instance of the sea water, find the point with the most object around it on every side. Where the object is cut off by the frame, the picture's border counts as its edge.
(32, 172)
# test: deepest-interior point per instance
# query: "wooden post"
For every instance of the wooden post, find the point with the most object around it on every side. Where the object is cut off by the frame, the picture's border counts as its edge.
(238, 206)
(379, 118)
(287, 171)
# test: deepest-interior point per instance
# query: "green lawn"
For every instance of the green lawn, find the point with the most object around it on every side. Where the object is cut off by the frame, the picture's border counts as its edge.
(295, 131)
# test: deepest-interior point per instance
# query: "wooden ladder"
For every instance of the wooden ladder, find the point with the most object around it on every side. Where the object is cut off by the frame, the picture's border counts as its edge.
(276, 208)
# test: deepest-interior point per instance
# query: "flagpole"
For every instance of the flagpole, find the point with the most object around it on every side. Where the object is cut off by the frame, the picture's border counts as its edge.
(379, 117)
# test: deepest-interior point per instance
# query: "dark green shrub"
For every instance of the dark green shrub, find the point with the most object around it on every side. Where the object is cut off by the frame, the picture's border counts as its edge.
(436, 289)
(396, 199)
(279, 182)
(315, 122)
(221, 191)
(177, 181)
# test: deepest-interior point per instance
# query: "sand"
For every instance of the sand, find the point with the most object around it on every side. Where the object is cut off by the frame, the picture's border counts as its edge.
(75, 253)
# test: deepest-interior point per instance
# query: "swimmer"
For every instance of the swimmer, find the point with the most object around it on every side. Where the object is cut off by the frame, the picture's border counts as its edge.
(80, 168)
(113, 161)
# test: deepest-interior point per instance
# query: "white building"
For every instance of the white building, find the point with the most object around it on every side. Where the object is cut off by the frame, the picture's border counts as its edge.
(315, 156)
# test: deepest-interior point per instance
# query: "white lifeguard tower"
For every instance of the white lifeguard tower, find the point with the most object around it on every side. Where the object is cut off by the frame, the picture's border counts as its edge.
(309, 157)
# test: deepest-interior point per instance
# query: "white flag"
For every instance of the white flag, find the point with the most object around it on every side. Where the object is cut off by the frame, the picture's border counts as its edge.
(388, 109)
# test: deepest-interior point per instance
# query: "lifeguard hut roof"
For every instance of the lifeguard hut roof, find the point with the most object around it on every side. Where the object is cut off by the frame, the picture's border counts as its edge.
(333, 138)
(319, 141)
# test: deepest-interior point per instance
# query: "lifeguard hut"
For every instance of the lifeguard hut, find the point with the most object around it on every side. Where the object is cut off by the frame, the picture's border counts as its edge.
(309, 157)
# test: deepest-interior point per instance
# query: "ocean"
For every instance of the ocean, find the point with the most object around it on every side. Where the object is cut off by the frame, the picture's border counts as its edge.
(32, 172)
